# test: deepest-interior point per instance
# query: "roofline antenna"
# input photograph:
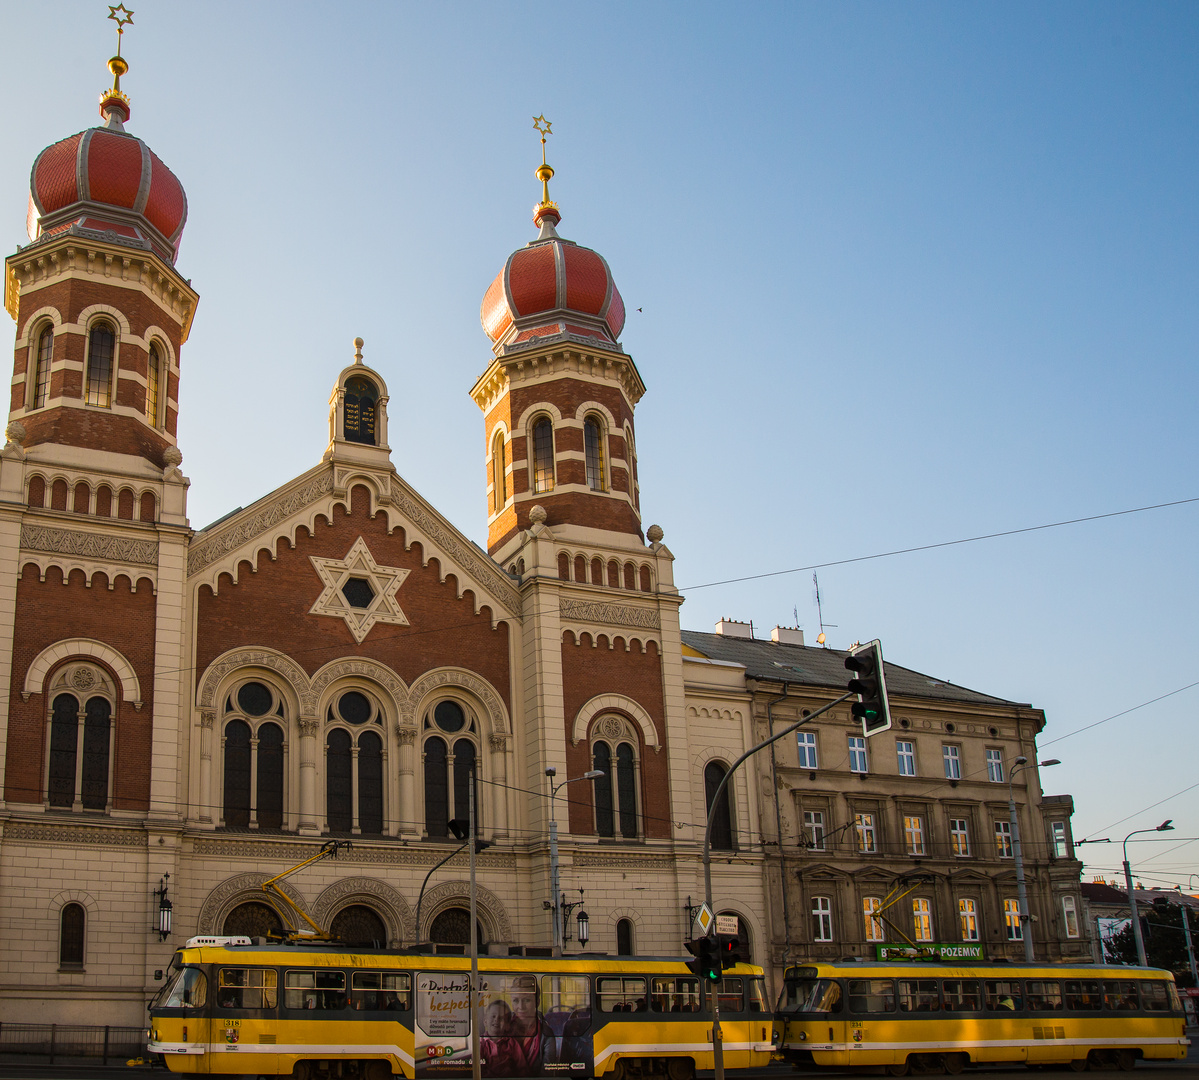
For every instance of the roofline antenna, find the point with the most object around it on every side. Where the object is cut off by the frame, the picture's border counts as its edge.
(820, 639)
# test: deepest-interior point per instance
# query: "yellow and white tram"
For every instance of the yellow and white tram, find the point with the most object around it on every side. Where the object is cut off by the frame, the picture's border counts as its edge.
(942, 1017)
(321, 1010)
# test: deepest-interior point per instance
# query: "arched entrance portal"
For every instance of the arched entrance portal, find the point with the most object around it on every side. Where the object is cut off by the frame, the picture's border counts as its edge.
(254, 919)
(359, 926)
(452, 927)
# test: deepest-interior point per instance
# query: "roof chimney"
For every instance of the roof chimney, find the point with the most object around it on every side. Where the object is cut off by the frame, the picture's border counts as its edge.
(787, 635)
(732, 628)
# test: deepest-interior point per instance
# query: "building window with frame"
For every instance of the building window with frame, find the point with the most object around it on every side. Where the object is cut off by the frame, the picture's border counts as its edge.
(1058, 845)
(722, 838)
(1011, 920)
(905, 753)
(806, 741)
(79, 738)
(1070, 916)
(614, 752)
(857, 754)
(913, 834)
(871, 906)
(994, 765)
(354, 766)
(71, 925)
(153, 383)
(41, 372)
(867, 838)
(499, 474)
(593, 446)
(822, 918)
(959, 838)
(1003, 839)
(254, 750)
(101, 353)
(813, 824)
(968, 914)
(953, 761)
(624, 938)
(922, 919)
(543, 455)
(450, 753)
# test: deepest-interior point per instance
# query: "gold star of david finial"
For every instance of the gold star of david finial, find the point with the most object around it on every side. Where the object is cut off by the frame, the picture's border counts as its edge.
(538, 121)
(544, 172)
(123, 17)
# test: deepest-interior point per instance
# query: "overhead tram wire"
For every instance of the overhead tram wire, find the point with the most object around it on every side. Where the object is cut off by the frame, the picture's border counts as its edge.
(1143, 704)
(941, 544)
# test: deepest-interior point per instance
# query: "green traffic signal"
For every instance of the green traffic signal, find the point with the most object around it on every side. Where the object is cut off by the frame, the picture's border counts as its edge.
(870, 684)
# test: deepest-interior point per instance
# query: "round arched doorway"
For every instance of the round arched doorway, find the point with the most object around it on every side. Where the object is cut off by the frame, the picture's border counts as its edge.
(359, 926)
(253, 919)
(452, 927)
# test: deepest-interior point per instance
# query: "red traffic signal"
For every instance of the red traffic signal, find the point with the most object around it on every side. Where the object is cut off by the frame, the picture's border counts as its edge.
(730, 951)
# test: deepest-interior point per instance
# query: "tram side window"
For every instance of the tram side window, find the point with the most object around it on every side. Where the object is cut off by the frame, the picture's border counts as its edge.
(1044, 996)
(731, 993)
(961, 995)
(756, 991)
(1083, 995)
(381, 991)
(919, 995)
(1120, 995)
(189, 991)
(247, 988)
(1002, 995)
(621, 994)
(871, 995)
(671, 994)
(322, 990)
(566, 1004)
(812, 995)
(1154, 997)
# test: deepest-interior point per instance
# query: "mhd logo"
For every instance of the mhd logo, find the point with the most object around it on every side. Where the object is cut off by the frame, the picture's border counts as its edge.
(439, 1051)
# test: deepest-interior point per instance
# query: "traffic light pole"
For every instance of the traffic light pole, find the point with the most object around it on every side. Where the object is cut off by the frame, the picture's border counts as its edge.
(717, 1042)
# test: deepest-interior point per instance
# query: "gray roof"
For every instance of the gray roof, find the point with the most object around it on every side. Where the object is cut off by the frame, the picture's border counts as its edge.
(808, 665)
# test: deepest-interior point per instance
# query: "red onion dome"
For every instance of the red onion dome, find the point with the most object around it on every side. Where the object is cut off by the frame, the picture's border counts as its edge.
(550, 287)
(105, 180)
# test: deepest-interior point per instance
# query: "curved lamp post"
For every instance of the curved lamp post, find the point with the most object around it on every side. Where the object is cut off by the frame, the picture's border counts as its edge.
(1165, 826)
(555, 905)
(1021, 890)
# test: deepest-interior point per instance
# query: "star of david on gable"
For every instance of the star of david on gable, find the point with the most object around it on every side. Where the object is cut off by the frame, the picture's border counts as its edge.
(359, 590)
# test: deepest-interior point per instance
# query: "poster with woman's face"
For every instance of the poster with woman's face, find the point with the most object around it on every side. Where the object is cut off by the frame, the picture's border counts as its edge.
(530, 1025)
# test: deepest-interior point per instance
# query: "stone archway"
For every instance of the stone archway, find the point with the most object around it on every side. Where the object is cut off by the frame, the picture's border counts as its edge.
(451, 926)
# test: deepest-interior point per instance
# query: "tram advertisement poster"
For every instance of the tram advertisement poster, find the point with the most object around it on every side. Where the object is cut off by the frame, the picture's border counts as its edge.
(531, 1025)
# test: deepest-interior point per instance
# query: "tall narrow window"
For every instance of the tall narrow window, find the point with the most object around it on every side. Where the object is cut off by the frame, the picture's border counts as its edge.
(270, 777)
(624, 938)
(922, 919)
(464, 764)
(807, 749)
(449, 765)
(995, 766)
(959, 838)
(153, 384)
(499, 474)
(254, 748)
(905, 752)
(237, 774)
(437, 788)
(871, 906)
(101, 344)
(370, 784)
(339, 781)
(1003, 839)
(626, 790)
(813, 827)
(968, 914)
(953, 762)
(1011, 919)
(867, 839)
(913, 834)
(1070, 916)
(822, 918)
(1060, 848)
(722, 821)
(41, 374)
(857, 754)
(361, 400)
(70, 937)
(594, 448)
(601, 761)
(543, 455)
(64, 743)
(94, 778)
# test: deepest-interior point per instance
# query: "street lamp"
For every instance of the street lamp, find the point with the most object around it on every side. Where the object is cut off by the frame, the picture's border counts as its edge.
(551, 772)
(163, 923)
(1165, 826)
(1021, 889)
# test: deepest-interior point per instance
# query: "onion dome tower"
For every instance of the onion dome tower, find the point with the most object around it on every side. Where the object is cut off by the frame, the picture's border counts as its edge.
(101, 311)
(559, 395)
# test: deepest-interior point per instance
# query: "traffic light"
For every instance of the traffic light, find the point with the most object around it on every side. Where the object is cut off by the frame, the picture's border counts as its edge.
(730, 951)
(869, 682)
(706, 965)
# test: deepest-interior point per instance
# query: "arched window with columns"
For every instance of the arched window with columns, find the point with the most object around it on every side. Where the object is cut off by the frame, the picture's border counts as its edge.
(78, 774)
(450, 751)
(254, 724)
(615, 751)
(354, 756)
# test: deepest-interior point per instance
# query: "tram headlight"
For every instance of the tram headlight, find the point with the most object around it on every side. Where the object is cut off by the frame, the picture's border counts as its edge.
(803, 1036)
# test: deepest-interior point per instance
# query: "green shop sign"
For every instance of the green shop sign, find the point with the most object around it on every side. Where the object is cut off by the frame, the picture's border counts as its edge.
(934, 949)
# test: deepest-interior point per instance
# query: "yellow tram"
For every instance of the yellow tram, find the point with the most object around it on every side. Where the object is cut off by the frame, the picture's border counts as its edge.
(320, 1010)
(940, 1017)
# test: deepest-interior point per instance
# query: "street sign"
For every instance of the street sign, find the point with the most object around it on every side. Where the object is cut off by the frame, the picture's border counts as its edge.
(703, 921)
(727, 924)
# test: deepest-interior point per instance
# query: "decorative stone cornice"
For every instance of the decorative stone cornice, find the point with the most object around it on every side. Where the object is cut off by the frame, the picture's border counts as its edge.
(596, 860)
(378, 853)
(87, 545)
(590, 611)
(39, 833)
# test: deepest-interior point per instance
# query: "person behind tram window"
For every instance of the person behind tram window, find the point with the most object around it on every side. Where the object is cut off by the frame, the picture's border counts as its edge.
(528, 1026)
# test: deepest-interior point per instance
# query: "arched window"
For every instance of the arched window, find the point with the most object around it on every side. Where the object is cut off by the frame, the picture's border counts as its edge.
(101, 350)
(630, 454)
(543, 454)
(722, 820)
(253, 919)
(254, 756)
(451, 754)
(624, 937)
(361, 401)
(41, 371)
(360, 927)
(79, 736)
(70, 936)
(593, 446)
(452, 927)
(499, 474)
(614, 753)
(153, 383)
(354, 764)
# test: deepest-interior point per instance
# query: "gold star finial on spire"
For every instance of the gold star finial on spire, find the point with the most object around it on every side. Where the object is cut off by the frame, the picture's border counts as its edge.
(544, 171)
(125, 18)
(114, 105)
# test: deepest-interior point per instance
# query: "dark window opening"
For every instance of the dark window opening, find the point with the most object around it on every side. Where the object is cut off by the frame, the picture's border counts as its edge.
(464, 762)
(626, 790)
(354, 707)
(361, 400)
(64, 740)
(41, 375)
(358, 592)
(237, 774)
(624, 938)
(270, 777)
(339, 783)
(722, 820)
(70, 940)
(95, 754)
(543, 455)
(370, 784)
(437, 795)
(605, 821)
(449, 716)
(360, 927)
(254, 919)
(101, 346)
(254, 699)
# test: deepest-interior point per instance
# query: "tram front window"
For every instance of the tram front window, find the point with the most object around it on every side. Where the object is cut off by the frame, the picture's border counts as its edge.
(811, 996)
(187, 990)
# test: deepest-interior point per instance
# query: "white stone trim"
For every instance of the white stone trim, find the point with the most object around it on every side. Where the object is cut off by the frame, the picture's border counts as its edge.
(614, 702)
(81, 648)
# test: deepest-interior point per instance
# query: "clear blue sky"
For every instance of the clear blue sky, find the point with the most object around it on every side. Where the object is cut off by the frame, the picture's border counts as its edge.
(908, 272)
